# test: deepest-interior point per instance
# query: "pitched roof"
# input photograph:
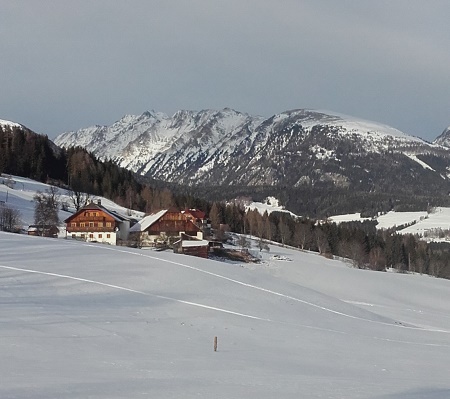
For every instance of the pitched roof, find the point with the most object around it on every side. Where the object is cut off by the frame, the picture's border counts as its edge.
(92, 206)
(146, 222)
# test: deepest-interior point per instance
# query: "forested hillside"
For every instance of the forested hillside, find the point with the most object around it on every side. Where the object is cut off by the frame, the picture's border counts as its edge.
(25, 153)
(366, 246)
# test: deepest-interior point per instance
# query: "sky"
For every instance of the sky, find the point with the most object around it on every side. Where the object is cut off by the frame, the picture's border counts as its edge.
(67, 65)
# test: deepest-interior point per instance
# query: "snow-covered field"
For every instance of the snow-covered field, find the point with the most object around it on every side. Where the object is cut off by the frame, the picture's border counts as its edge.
(424, 222)
(80, 320)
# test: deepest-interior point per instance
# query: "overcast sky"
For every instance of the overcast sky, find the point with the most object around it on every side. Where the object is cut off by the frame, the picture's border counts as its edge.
(68, 64)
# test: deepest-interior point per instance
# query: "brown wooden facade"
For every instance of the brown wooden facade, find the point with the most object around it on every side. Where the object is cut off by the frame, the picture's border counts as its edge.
(172, 223)
(89, 219)
(96, 223)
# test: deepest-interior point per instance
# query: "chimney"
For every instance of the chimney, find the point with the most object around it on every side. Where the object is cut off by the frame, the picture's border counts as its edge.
(99, 201)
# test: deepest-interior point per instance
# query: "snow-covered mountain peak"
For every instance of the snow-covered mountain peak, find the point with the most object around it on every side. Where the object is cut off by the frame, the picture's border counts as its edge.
(229, 147)
(10, 124)
(444, 138)
(310, 117)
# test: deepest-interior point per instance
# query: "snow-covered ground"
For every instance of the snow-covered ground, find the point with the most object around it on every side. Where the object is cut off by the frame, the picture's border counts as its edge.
(82, 320)
(271, 204)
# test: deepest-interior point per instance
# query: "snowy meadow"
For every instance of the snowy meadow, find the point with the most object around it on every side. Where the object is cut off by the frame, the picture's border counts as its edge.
(84, 320)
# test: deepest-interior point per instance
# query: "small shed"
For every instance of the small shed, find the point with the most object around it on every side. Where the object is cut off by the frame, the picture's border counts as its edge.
(43, 230)
(198, 248)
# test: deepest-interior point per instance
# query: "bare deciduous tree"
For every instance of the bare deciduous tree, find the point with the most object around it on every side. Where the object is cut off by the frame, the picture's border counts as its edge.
(243, 242)
(9, 218)
(302, 234)
(285, 231)
(322, 241)
(78, 198)
(46, 207)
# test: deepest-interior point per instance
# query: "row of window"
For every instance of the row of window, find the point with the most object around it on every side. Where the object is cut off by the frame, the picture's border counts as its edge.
(90, 224)
(87, 214)
(91, 236)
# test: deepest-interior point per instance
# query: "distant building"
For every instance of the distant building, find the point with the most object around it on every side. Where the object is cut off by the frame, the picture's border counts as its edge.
(96, 223)
(166, 225)
(43, 230)
(192, 247)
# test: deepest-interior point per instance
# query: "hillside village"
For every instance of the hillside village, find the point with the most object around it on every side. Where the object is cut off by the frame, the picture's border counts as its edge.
(190, 231)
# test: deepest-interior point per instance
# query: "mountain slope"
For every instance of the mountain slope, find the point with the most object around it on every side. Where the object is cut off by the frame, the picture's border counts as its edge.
(298, 148)
(444, 138)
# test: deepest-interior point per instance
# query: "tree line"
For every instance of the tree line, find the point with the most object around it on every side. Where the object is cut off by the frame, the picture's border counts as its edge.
(361, 242)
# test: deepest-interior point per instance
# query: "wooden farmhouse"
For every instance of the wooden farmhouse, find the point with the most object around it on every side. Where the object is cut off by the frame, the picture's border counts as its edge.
(94, 222)
(166, 226)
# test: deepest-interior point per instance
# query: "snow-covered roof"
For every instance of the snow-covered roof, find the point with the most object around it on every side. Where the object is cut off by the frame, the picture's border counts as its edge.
(194, 243)
(147, 221)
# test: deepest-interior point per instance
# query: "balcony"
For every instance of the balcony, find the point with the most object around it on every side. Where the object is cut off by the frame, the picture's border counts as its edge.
(91, 229)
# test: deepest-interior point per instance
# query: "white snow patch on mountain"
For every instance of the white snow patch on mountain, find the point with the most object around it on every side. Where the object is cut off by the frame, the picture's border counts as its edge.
(428, 225)
(361, 126)
(9, 123)
(352, 217)
(420, 162)
(271, 204)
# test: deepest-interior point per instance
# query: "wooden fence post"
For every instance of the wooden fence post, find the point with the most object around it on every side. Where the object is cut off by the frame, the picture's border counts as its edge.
(215, 344)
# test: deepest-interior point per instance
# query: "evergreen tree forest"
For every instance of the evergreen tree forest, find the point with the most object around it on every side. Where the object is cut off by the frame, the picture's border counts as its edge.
(25, 153)
(362, 243)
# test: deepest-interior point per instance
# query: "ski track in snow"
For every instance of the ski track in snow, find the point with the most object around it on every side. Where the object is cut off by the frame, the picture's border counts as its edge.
(238, 313)
(278, 293)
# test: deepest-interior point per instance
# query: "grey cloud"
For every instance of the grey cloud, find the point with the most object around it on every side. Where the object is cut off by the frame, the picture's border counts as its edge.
(66, 65)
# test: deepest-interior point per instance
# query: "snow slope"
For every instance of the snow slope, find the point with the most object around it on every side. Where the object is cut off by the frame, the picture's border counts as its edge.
(422, 222)
(271, 204)
(89, 321)
(20, 196)
(9, 123)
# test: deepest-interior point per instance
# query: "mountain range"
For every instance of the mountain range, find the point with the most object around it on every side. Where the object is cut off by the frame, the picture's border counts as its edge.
(298, 149)
(315, 162)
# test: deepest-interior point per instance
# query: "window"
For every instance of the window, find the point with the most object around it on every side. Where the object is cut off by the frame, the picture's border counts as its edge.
(100, 224)
(91, 235)
(91, 224)
(108, 235)
(82, 224)
(100, 236)
(74, 236)
(73, 224)
(108, 224)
